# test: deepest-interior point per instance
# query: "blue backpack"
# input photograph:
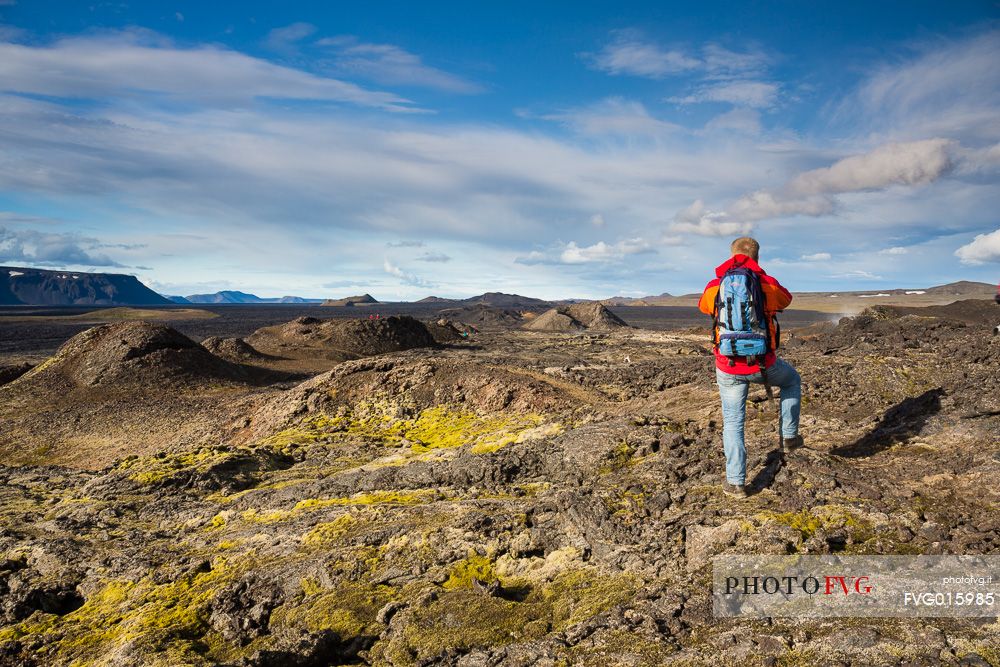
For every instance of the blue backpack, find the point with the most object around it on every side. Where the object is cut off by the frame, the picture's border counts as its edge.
(740, 317)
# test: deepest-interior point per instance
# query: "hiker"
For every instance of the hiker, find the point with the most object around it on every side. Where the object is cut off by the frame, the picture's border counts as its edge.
(743, 301)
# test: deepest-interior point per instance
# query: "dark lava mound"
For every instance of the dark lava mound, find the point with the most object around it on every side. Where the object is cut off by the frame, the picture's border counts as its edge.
(133, 352)
(483, 316)
(578, 317)
(236, 350)
(343, 339)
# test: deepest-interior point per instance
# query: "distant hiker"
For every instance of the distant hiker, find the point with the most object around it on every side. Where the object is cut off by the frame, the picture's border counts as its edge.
(743, 301)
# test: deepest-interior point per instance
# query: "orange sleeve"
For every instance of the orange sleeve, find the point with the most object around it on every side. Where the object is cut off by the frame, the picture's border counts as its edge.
(776, 297)
(707, 302)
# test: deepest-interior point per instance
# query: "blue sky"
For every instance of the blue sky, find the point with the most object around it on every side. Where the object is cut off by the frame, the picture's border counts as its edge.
(552, 149)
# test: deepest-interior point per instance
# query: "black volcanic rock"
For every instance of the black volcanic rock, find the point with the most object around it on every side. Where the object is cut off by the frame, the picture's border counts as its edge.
(40, 287)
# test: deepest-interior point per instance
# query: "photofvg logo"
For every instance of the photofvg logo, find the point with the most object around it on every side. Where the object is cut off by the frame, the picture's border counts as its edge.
(884, 586)
(787, 585)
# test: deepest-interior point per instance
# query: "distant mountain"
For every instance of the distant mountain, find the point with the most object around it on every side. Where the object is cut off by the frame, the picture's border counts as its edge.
(916, 296)
(501, 300)
(291, 299)
(226, 296)
(362, 300)
(964, 288)
(235, 296)
(436, 299)
(40, 287)
(177, 299)
(635, 301)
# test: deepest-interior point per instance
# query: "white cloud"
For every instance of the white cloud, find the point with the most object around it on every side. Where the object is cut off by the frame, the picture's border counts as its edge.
(909, 163)
(857, 274)
(286, 38)
(753, 94)
(983, 248)
(600, 252)
(437, 257)
(895, 250)
(811, 192)
(51, 249)
(614, 116)
(817, 257)
(698, 219)
(745, 121)
(629, 54)
(391, 65)
(125, 64)
(407, 278)
(722, 62)
(950, 87)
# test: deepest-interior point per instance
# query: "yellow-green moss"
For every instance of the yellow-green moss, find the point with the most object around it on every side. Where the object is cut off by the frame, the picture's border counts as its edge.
(348, 608)
(828, 517)
(323, 534)
(154, 469)
(465, 572)
(464, 619)
(374, 498)
(439, 427)
(271, 516)
(618, 458)
(165, 619)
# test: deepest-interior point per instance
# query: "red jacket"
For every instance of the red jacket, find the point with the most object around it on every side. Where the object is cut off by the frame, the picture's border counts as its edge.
(776, 299)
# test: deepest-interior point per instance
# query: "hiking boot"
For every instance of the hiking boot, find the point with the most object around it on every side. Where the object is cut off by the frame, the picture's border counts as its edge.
(734, 490)
(791, 444)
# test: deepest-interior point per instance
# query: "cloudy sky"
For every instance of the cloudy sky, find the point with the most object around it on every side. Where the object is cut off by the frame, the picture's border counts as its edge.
(555, 149)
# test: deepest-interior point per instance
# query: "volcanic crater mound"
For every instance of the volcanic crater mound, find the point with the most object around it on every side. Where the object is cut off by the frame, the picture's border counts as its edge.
(233, 349)
(483, 316)
(343, 339)
(133, 353)
(578, 317)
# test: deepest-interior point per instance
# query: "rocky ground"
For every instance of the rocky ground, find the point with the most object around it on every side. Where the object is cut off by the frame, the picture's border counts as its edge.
(510, 498)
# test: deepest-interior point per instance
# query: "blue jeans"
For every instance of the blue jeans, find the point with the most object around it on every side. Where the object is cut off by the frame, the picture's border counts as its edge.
(734, 389)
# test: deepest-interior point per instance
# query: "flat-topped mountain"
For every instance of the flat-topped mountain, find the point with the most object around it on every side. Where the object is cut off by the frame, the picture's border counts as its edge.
(41, 287)
(362, 300)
